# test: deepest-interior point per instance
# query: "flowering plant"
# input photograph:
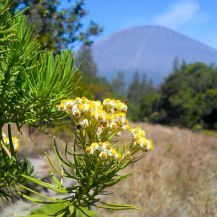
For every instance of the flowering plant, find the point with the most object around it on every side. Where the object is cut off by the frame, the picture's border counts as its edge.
(32, 83)
(97, 156)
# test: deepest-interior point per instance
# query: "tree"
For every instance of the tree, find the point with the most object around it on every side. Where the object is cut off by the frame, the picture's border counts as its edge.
(149, 105)
(58, 28)
(185, 93)
(84, 60)
(146, 85)
(210, 115)
(118, 85)
(136, 91)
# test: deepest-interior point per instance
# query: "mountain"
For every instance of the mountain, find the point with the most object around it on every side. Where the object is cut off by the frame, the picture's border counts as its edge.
(149, 49)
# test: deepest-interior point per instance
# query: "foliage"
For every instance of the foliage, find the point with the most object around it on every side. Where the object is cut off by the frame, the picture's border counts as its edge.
(10, 174)
(186, 98)
(51, 209)
(185, 95)
(58, 28)
(32, 83)
(85, 62)
(210, 114)
(136, 91)
(96, 158)
(149, 103)
(98, 88)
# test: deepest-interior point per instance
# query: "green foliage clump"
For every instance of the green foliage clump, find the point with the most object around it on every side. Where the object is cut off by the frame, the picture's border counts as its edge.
(187, 98)
(149, 103)
(32, 82)
(210, 115)
(185, 94)
(138, 88)
(10, 174)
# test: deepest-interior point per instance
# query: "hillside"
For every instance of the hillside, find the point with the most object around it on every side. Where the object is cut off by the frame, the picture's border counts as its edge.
(148, 49)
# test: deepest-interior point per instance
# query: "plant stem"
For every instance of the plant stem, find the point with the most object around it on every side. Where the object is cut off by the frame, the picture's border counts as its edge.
(11, 142)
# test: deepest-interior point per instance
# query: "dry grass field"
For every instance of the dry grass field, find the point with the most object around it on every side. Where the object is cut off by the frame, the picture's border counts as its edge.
(177, 179)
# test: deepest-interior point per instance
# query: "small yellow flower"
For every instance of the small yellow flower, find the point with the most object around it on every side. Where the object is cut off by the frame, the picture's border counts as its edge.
(69, 106)
(100, 117)
(82, 107)
(103, 155)
(94, 144)
(61, 107)
(76, 113)
(114, 152)
(137, 136)
(108, 147)
(100, 144)
(88, 149)
(114, 126)
(109, 118)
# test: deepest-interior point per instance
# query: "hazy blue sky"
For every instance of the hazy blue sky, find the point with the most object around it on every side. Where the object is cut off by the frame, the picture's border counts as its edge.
(195, 18)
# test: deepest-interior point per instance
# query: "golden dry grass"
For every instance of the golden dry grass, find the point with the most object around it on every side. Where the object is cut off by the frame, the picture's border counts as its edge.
(177, 179)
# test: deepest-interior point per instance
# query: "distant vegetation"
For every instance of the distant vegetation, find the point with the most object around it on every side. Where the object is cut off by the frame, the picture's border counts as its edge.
(188, 98)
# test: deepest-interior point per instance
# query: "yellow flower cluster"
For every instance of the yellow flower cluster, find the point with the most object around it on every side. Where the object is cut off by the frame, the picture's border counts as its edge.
(104, 150)
(104, 119)
(15, 141)
(114, 106)
(140, 140)
(109, 114)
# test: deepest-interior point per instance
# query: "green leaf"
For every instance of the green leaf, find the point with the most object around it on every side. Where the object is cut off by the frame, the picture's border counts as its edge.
(113, 206)
(46, 185)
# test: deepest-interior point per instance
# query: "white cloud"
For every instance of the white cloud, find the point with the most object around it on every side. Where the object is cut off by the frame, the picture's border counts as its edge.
(178, 14)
